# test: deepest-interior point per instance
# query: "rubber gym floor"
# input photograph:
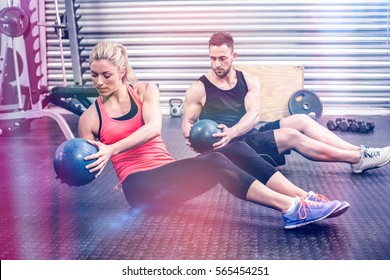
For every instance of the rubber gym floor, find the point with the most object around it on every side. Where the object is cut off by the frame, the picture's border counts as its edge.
(43, 219)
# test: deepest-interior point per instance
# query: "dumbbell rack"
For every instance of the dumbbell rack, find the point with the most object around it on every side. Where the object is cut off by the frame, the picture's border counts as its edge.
(352, 125)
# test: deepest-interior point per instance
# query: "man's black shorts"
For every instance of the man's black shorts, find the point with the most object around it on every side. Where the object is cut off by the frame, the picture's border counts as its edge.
(262, 140)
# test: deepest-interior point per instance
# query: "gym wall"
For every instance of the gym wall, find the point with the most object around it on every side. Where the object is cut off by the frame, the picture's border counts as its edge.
(343, 45)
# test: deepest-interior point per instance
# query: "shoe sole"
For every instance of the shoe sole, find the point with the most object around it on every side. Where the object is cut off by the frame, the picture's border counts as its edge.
(312, 221)
(375, 167)
(339, 211)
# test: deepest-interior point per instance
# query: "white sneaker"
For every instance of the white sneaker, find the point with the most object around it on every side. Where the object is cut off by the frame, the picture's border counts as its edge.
(372, 158)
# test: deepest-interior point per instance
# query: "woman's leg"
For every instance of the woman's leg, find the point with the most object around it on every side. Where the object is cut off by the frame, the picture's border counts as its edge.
(282, 185)
(182, 180)
(300, 212)
(247, 159)
(263, 195)
(185, 179)
(242, 155)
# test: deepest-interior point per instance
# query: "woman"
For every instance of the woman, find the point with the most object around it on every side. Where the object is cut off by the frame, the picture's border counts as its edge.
(126, 118)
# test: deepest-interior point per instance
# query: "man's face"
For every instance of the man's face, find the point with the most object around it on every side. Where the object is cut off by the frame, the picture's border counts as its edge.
(221, 58)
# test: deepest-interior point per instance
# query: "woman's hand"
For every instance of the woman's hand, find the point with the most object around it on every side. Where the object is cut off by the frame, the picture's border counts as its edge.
(102, 157)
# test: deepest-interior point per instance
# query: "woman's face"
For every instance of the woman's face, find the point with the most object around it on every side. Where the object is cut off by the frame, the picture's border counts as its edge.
(106, 77)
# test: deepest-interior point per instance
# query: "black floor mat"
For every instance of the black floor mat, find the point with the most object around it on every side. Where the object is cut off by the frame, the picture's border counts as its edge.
(41, 218)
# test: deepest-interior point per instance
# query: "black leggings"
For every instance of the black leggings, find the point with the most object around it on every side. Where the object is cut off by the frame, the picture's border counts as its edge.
(235, 166)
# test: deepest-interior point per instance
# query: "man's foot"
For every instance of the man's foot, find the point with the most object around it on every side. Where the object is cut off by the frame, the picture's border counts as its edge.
(344, 206)
(372, 158)
(307, 212)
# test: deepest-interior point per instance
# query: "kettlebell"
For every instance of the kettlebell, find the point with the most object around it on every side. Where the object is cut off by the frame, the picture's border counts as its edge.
(176, 105)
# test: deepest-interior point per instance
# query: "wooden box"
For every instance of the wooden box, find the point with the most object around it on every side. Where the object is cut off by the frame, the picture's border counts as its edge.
(278, 83)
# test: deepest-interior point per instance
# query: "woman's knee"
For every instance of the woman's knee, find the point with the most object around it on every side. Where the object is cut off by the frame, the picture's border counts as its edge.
(215, 158)
(237, 150)
(239, 146)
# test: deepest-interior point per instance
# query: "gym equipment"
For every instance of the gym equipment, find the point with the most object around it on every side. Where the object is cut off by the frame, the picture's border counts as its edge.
(365, 127)
(362, 127)
(350, 125)
(343, 124)
(10, 66)
(201, 135)
(69, 163)
(331, 125)
(80, 93)
(306, 102)
(370, 126)
(353, 126)
(13, 21)
(60, 28)
(176, 107)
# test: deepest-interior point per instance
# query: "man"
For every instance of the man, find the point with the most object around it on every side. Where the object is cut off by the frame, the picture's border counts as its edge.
(231, 98)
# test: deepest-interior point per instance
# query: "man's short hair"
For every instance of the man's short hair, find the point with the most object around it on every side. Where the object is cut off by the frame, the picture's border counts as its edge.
(220, 38)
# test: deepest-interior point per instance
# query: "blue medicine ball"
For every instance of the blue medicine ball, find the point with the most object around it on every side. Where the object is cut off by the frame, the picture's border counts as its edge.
(69, 162)
(201, 135)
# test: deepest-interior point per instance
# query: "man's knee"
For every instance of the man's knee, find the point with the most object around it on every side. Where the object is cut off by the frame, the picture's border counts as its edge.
(296, 121)
(286, 138)
(304, 119)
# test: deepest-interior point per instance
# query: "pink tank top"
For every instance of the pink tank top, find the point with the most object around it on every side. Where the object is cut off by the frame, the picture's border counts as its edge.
(149, 155)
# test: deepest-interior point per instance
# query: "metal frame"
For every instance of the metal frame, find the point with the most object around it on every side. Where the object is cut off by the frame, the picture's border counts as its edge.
(73, 41)
(36, 111)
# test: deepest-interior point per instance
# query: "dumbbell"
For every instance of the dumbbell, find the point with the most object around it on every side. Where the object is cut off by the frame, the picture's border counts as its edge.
(353, 126)
(342, 124)
(331, 125)
(362, 127)
(370, 126)
(366, 127)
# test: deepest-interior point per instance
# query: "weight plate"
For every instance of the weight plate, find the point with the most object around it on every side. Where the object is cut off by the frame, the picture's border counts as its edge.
(306, 102)
(14, 21)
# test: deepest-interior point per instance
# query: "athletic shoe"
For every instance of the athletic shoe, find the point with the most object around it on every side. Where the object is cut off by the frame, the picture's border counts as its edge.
(344, 206)
(307, 212)
(372, 158)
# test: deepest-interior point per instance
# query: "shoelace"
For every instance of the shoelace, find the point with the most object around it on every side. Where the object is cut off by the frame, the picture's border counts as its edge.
(320, 198)
(118, 187)
(303, 205)
(368, 152)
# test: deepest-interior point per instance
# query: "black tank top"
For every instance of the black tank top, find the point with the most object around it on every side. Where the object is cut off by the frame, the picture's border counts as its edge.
(224, 106)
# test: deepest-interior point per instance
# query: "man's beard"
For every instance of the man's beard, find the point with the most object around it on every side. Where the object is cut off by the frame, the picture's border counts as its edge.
(221, 72)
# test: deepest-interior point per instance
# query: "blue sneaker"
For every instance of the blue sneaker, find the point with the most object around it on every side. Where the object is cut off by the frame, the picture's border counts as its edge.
(344, 206)
(307, 212)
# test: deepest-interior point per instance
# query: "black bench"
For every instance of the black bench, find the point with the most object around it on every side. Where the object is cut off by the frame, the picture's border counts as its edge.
(81, 93)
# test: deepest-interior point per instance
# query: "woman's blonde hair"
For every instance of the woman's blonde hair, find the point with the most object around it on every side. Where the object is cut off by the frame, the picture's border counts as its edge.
(116, 54)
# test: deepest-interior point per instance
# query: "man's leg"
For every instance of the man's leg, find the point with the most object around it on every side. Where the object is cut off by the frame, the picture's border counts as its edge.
(312, 129)
(333, 147)
(292, 139)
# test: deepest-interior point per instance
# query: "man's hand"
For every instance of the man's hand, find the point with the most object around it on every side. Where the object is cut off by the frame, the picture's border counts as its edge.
(226, 135)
